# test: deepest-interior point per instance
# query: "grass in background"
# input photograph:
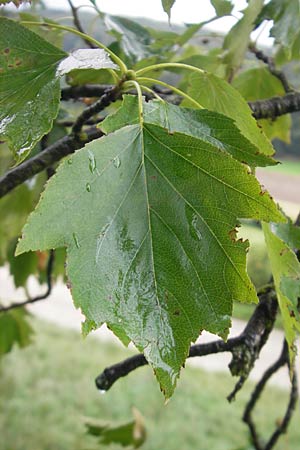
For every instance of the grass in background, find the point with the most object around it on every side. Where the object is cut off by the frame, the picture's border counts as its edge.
(47, 389)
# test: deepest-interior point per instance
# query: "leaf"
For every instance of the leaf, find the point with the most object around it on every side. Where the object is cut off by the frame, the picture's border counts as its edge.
(14, 330)
(217, 95)
(259, 83)
(50, 34)
(288, 232)
(286, 17)
(212, 127)
(131, 434)
(134, 38)
(222, 7)
(160, 209)
(286, 273)
(29, 97)
(21, 267)
(167, 6)
(86, 58)
(237, 40)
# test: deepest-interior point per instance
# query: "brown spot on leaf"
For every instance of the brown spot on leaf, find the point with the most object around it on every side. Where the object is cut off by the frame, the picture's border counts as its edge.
(283, 251)
(69, 284)
(232, 234)
(177, 312)
(6, 51)
(153, 177)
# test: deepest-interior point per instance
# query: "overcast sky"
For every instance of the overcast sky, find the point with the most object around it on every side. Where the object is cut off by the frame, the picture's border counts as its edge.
(184, 11)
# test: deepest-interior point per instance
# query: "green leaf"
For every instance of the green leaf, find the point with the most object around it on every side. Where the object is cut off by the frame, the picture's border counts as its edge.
(286, 17)
(286, 273)
(50, 34)
(259, 83)
(217, 95)
(237, 40)
(130, 434)
(22, 266)
(29, 97)
(167, 6)
(222, 7)
(160, 209)
(288, 232)
(14, 330)
(134, 39)
(212, 127)
(15, 2)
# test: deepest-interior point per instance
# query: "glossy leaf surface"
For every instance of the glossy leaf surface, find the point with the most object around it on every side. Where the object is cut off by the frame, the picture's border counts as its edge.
(155, 255)
(259, 83)
(217, 95)
(286, 273)
(14, 330)
(217, 129)
(29, 97)
(86, 58)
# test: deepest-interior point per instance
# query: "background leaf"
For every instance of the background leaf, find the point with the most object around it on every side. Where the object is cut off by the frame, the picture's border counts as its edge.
(167, 6)
(30, 93)
(222, 7)
(259, 83)
(14, 330)
(216, 94)
(286, 273)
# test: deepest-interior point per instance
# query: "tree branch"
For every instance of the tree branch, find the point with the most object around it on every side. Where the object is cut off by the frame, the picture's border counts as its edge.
(276, 106)
(269, 61)
(77, 23)
(282, 427)
(38, 297)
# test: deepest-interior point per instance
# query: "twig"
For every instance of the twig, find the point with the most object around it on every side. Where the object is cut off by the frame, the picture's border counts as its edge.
(247, 417)
(29, 301)
(44, 159)
(88, 90)
(109, 96)
(77, 23)
(271, 65)
(276, 106)
(243, 348)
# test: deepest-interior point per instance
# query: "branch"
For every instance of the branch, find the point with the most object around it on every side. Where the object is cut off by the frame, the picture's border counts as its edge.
(44, 159)
(77, 23)
(282, 427)
(276, 106)
(88, 90)
(38, 297)
(271, 65)
(245, 347)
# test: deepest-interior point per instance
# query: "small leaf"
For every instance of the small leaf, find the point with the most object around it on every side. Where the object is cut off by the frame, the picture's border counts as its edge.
(237, 40)
(144, 258)
(86, 58)
(30, 93)
(259, 83)
(286, 17)
(286, 273)
(134, 39)
(167, 6)
(217, 95)
(130, 434)
(14, 330)
(222, 7)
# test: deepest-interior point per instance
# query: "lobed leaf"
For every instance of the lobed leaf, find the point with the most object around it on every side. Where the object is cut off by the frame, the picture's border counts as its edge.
(149, 220)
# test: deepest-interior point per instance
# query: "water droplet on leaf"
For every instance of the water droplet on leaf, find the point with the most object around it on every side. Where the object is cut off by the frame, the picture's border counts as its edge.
(92, 162)
(116, 162)
(76, 240)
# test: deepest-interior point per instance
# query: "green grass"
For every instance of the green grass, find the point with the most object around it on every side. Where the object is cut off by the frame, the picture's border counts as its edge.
(47, 389)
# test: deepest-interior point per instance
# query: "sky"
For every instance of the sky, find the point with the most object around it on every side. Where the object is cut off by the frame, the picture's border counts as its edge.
(184, 11)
